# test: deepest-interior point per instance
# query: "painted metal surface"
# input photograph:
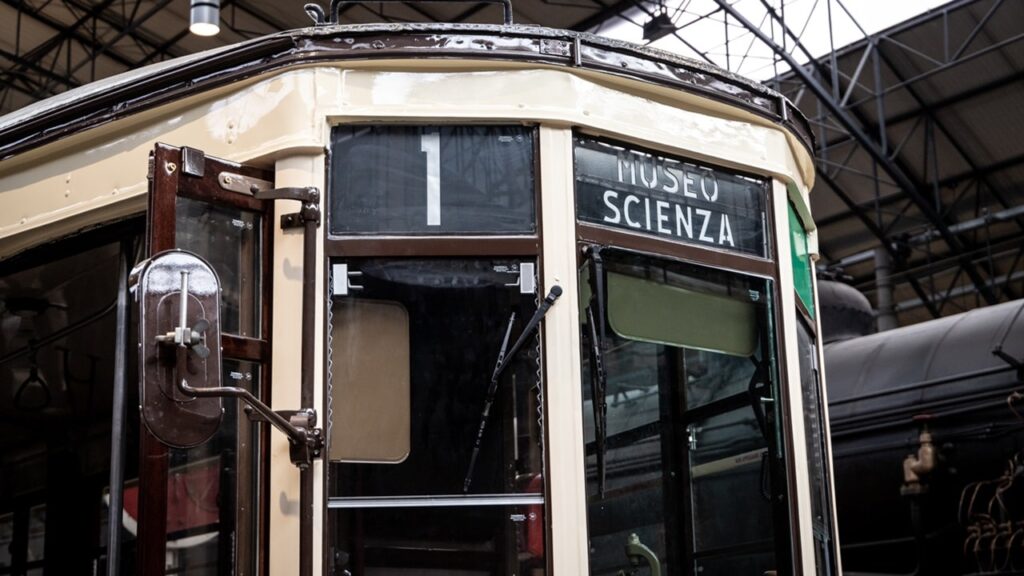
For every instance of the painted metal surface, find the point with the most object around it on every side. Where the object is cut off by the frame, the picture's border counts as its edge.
(290, 89)
(98, 175)
(129, 93)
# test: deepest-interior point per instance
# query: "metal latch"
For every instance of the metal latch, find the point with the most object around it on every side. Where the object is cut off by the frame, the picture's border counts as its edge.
(310, 198)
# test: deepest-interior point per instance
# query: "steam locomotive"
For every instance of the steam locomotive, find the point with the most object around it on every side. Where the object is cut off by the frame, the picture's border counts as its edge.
(927, 426)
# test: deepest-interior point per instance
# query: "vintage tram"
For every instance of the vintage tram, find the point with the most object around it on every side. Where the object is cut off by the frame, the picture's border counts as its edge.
(412, 299)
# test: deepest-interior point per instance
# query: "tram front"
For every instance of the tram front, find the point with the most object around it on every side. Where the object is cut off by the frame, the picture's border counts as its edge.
(531, 302)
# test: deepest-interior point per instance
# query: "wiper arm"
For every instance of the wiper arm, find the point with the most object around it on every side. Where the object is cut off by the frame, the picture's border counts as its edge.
(598, 386)
(503, 361)
(598, 378)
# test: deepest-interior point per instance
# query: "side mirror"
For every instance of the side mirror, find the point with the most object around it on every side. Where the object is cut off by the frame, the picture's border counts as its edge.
(178, 299)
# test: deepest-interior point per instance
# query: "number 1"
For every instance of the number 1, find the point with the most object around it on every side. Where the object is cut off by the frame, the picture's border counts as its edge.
(431, 144)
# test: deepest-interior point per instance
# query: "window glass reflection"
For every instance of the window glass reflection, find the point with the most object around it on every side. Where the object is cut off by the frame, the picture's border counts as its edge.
(229, 239)
(439, 502)
(209, 511)
(432, 180)
(685, 453)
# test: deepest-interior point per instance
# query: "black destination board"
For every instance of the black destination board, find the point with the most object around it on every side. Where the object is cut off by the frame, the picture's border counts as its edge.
(673, 199)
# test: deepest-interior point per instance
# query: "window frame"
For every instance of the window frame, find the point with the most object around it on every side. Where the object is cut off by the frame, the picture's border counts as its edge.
(340, 247)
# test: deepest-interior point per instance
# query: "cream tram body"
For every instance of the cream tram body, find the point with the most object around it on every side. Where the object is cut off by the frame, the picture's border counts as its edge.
(80, 161)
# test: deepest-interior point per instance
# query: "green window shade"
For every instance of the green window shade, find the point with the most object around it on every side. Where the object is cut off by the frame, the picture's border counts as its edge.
(802, 268)
(649, 311)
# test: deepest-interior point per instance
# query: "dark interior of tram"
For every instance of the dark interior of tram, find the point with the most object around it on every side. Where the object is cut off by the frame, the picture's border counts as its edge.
(57, 334)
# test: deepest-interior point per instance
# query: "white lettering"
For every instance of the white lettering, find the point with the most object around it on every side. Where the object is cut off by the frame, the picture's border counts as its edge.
(687, 182)
(674, 187)
(703, 188)
(626, 159)
(653, 182)
(625, 210)
(684, 222)
(647, 211)
(725, 232)
(662, 217)
(610, 195)
(706, 216)
(430, 144)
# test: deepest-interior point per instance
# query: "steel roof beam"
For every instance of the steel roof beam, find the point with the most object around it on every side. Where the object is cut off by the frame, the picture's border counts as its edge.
(942, 104)
(853, 126)
(67, 32)
(886, 244)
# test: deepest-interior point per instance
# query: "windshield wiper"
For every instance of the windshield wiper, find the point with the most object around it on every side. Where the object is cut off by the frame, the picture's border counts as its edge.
(598, 383)
(503, 361)
(598, 378)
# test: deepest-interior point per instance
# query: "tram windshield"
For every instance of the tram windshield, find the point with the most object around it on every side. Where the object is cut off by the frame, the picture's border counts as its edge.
(420, 493)
(679, 417)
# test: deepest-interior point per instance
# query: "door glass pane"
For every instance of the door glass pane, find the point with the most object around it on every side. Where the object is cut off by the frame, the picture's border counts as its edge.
(203, 506)
(229, 239)
(443, 503)
(432, 180)
(36, 533)
(6, 539)
(690, 457)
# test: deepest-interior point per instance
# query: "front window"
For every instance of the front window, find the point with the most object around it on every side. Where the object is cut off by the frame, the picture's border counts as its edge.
(437, 470)
(436, 454)
(681, 421)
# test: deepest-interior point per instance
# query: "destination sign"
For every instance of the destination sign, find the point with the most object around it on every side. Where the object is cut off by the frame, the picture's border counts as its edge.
(670, 198)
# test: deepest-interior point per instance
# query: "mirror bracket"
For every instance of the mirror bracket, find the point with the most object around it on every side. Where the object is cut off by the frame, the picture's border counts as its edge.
(309, 196)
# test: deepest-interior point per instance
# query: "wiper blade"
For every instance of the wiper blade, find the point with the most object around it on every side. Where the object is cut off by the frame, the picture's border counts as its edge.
(598, 389)
(598, 378)
(503, 361)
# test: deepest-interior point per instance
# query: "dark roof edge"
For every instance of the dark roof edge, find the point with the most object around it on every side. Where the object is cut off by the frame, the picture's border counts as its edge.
(131, 92)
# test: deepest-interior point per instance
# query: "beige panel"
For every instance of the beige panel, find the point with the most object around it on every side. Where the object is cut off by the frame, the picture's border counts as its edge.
(299, 170)
(564, 413)
(787, 317)
(555, 96)
(370, 356)
(100, 172)
(100, 175)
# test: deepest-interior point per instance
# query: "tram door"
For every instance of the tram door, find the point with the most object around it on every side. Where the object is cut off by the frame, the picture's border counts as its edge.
(683, 463)
(198, 507)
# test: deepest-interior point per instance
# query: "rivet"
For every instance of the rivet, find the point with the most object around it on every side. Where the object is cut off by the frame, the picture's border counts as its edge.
(227, 179)
(170, 167)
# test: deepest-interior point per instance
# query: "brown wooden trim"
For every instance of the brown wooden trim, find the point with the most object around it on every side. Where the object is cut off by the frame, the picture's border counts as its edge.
(243, 348)
(391, 246)
(166, 184)
(656, 246)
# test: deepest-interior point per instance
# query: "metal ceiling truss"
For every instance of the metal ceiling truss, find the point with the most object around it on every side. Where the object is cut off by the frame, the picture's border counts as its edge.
(853, 145)
(912, 203)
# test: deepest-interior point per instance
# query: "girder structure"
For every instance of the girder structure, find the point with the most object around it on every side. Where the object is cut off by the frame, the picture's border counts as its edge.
(915, 125)
(50, 46)
(897, 155)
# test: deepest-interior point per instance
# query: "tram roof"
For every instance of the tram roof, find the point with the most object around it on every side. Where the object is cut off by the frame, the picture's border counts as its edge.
(124, 94)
